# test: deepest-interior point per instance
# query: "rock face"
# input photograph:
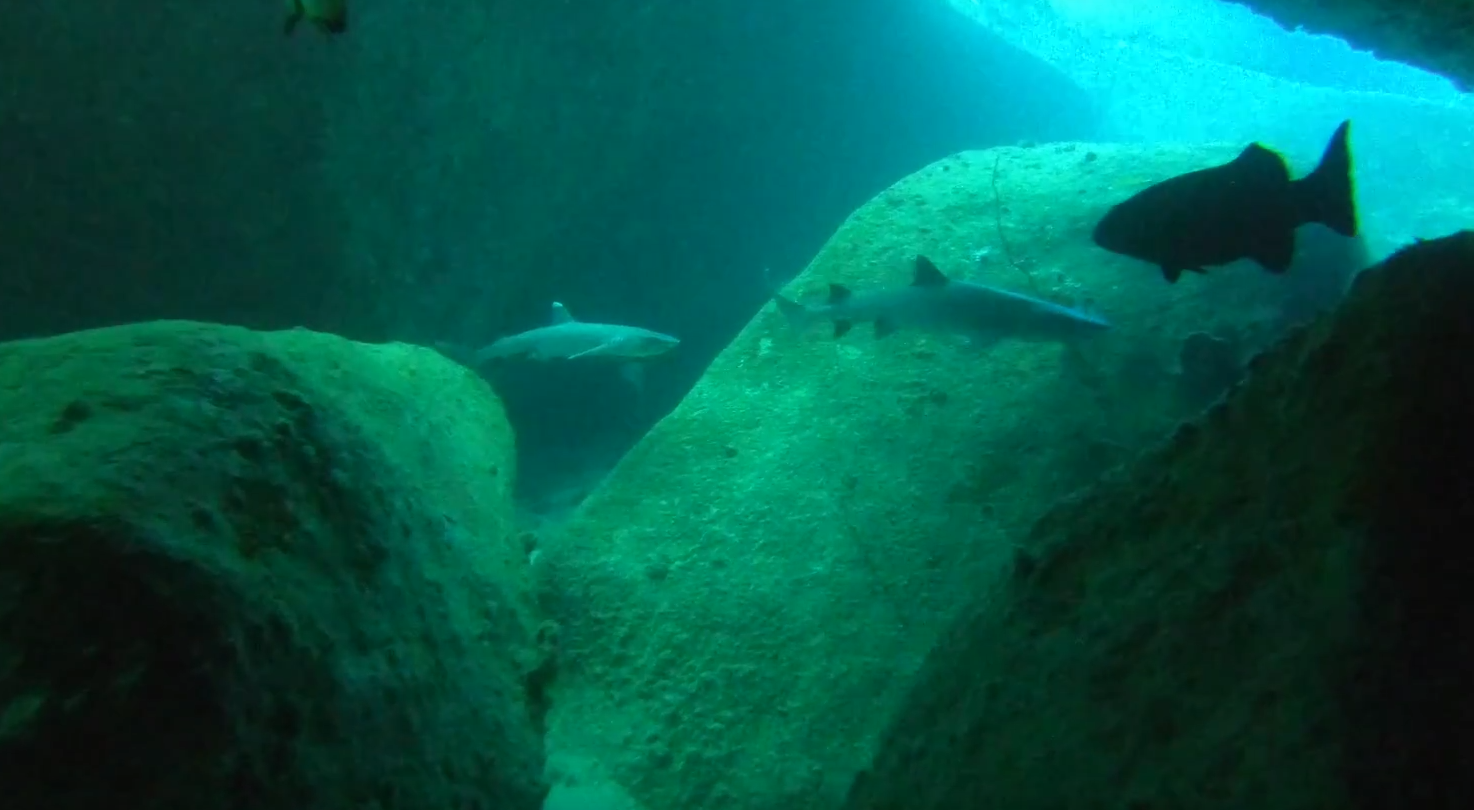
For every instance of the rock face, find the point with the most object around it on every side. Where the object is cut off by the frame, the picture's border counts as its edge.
(1269, 611)
(745, 601)
(258, 570)
(1436, 35)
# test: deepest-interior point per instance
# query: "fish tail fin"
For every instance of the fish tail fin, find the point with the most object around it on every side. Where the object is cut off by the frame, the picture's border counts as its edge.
(294, 16)
(1327, 195)
(796, 314)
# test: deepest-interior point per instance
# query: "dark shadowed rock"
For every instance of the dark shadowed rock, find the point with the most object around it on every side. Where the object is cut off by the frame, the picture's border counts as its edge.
(258, 570)
(1435, 35)
(1270, 611)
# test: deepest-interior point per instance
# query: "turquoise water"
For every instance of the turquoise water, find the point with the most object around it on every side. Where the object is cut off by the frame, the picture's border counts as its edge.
(656, 405)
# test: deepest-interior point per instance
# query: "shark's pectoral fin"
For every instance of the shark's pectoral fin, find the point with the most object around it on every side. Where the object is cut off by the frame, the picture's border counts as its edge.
(883, 327)
(841, 327)
(601, 349)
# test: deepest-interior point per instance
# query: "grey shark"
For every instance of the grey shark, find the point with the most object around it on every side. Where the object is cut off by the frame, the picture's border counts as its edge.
(937, 304)
(567, 338)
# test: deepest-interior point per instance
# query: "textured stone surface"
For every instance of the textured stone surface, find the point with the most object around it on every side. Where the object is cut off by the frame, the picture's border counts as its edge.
(1436, 35)
(258, 570)
(1269, 611)
(746, 599)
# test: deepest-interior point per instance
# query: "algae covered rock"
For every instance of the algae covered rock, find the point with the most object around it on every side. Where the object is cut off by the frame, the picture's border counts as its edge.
(1271, 610)
(745, 601)
(258, 570)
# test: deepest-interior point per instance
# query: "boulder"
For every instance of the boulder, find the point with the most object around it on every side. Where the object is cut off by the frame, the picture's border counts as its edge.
(259, 570)
(745, 601)
(1270, 610)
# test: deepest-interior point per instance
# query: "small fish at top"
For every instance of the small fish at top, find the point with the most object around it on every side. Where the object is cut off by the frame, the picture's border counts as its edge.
(1247, 208)
(327, 16)
(932, 302)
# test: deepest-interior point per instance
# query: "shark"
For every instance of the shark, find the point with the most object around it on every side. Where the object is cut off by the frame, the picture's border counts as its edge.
(934, 303)
(567, 338)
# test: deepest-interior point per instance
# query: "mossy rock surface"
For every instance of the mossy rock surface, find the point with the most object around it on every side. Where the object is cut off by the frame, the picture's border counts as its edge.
(259, 570)
(747, 598)
(1270, 610)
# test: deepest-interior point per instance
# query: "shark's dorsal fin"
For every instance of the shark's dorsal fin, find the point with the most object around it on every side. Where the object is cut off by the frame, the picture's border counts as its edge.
(838, 293)
(927, 274)
(561, 314)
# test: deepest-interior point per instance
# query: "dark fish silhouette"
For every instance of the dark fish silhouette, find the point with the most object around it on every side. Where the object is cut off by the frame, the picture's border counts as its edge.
(327, 16)
(1248, 208)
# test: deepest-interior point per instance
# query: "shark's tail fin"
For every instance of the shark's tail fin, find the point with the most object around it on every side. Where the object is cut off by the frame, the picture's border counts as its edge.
(797, 315)
(455, 351)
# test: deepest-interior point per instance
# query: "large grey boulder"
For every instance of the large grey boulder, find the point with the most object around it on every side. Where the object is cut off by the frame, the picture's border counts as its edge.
(259, 570)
